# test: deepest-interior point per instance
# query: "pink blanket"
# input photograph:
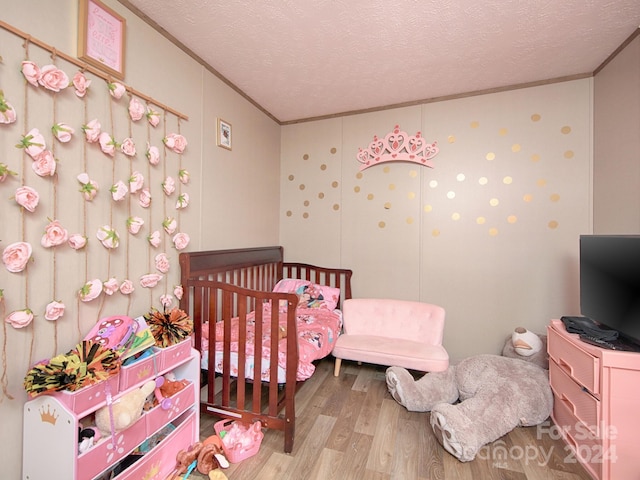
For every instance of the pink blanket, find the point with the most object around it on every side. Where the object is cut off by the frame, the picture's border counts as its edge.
(318, 329)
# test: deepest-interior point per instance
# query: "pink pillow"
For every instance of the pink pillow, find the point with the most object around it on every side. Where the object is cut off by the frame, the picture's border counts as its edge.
(313, 295)
(289, 285)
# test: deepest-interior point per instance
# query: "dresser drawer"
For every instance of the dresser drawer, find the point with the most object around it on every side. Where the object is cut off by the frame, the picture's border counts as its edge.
(580, 365)
(582, 406)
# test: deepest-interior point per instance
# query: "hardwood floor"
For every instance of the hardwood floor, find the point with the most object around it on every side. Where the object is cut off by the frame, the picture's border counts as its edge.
(351, 428)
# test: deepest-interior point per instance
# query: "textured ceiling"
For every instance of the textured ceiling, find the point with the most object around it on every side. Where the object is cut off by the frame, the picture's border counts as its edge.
(304, 59)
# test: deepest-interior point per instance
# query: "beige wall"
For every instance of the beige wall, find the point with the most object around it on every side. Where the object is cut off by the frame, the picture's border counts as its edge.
(234, 194)
(490, 233)
(616, 172)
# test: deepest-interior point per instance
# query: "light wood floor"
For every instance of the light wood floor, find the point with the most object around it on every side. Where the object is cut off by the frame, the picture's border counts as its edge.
(351, 428)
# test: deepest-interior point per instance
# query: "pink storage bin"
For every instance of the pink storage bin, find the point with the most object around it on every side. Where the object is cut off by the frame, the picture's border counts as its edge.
(160, 462)
(86, 398)
(109, 450)
(175, 354)
(158, 417)
(140, 371)
(237, 454)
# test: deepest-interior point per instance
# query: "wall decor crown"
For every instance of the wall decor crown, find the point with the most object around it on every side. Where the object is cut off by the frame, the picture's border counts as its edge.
(398, 146)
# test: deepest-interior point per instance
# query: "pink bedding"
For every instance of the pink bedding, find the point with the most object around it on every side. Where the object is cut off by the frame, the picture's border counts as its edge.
(318, 329)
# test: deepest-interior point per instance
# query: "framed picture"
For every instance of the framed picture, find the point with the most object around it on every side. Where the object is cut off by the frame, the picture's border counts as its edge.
(224, 134)
(101, 37)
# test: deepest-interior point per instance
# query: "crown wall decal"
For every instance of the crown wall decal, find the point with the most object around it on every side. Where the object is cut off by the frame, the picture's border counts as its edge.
(398, 146)
(48, 416)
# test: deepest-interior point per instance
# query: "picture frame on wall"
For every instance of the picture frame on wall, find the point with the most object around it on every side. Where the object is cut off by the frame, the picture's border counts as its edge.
(101, 37)
(224, 134)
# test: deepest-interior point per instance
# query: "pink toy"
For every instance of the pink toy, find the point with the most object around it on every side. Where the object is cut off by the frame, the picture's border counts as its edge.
(164, 402)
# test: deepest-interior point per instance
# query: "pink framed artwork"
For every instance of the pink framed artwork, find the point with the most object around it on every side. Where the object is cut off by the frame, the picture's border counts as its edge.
(224, 134)
(101, 37)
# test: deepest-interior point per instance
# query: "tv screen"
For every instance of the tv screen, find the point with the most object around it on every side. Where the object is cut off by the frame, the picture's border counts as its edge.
(610, 282)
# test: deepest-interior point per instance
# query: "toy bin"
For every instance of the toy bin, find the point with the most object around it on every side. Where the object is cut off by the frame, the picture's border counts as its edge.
(175, 354)
(79, 401)
(140, 371)
(157, 417)
(238, 453)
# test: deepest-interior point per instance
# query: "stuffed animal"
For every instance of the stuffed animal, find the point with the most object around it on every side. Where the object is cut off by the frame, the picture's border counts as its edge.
(482, 397)
(125, 410)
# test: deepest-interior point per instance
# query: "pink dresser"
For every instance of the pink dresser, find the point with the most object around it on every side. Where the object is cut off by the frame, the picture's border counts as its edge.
(596, 404)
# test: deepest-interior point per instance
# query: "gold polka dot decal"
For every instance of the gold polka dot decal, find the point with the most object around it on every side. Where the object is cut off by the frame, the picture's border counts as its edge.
(566, 130)
(306, 203)
(356, 189)
(321, 195)
(305, 156)
(386, 169)
(493, 231)
(535, 117)
(475, 124)
(451, 195)
(541, 182)
(435, 232)
(553, 224)
(481, 220)
(336, 207)
(289, 213)
(512, 219)
(483, 180)
(392, 186)
(359, 175)
(433, 183)
(409, 220)
(502, 132)
(460, 177)
(411, 195)
(515, 148)
(428, 208)
(527, 197)
(302, 187)
(370, 196)
(494, 202)
(387, 205)
(334, 150)
(535, 157)
(555, 197)
(334, 184)
(455, 216)
(568, 154)
(451, 138)
(490, 156)
(413, 173)
(507, 180)
(291, 177)
(382, 224)
(323, 167)
(305, 215)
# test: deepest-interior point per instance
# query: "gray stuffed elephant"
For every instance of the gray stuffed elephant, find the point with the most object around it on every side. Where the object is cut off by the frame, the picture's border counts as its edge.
(483, 397)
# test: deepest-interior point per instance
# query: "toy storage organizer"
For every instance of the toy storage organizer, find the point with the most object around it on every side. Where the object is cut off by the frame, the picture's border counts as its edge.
(51, 424)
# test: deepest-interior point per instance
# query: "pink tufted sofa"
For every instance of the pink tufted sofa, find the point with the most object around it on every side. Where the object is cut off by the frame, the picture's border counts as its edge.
(389, 332)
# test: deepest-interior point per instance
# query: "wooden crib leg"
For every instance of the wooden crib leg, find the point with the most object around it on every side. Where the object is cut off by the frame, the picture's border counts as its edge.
(336, 369)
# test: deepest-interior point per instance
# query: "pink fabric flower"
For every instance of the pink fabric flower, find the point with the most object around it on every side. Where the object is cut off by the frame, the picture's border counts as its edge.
(134, 224)
(81, 84)
(184, 176)
(52, 78)
(54, 235)
(183, 201)
(77, 241)
(108, 236)
(128, 147)
(169, 224)
(107, 143)
(62, 132)
(153, 117)
(180, 241)
(162, 263)
(154, 239)
(126, 287)
(27, 197)
(89, 188)
(110, 286)
(136, 182)
(178, 291)
(119, 191)
(145, 198)
(153, 154)
(20, 318)
(166, 300)
(33, 143)
(116, 90)
(92, 131)
(169, 186)
(44, 164)
(7, 112)
(91, 290)
(5, 172)
(16, 256)
(175, 142)
(136, 109)
(31, 72)
(54, 310)
(150, 280)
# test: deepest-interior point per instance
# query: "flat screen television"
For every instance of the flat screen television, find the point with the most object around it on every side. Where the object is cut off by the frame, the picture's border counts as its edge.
(610, 283)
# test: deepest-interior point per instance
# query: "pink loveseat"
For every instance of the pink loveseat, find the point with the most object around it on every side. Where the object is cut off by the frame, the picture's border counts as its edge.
(389, 332)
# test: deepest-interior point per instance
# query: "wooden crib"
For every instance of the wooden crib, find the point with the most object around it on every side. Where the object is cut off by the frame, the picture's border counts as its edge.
(222, 289)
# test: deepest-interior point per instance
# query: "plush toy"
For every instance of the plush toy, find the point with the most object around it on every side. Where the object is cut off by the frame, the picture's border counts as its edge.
(125, 410)
(481, 398)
